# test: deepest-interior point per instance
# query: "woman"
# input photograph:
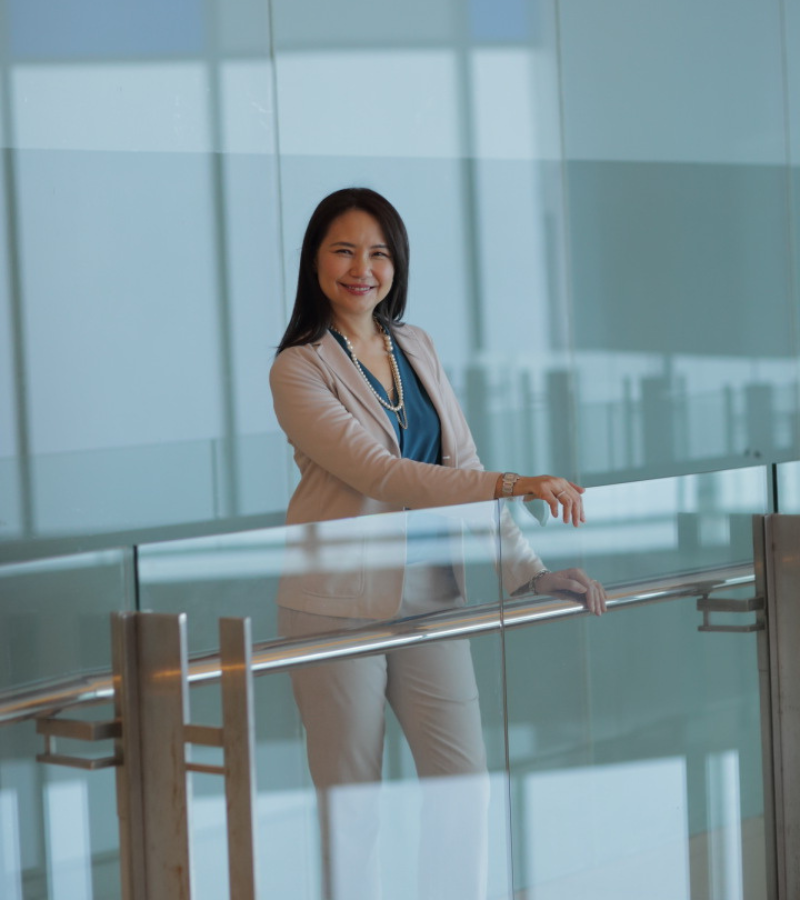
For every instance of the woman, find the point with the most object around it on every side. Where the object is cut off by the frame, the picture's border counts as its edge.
(376, 427)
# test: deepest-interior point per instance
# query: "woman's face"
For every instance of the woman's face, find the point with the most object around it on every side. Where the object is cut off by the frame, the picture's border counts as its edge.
(354, 265)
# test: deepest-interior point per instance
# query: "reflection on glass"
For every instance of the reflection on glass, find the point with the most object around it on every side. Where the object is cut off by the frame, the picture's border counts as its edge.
(405, 751)
(633, 830)
(141, 168)
(349, 574)
(603, 369)
(789, 487)
(651, 528)
(209, 577)
(58, 827)
(54, 614)
(10, 857)
(636, 757)
(433, 693)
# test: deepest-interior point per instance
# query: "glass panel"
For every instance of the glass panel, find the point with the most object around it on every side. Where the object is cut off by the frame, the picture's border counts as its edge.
(789, 487)
(596, 358)
(463, 138)
(58, 826)
(678, 220)
(373, 821)
(54, 616)
(141, 241)
(223, 575)
(635, 739)
(792, 55)
(59, 837)
(149, 487)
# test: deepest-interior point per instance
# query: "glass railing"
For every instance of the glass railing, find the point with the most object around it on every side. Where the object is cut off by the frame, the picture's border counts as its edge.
(58, 833)
(90, 498)
(480, 756)
(635, 740)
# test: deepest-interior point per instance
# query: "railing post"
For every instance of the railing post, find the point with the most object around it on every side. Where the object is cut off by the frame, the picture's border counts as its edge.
(238, 741)
(779, 567)
(152, 698)
(124, 657)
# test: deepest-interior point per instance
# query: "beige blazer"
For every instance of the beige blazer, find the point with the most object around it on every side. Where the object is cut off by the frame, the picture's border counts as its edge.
(350, 467)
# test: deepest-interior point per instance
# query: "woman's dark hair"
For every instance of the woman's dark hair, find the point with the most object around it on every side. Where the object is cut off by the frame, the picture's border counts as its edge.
(311, 315)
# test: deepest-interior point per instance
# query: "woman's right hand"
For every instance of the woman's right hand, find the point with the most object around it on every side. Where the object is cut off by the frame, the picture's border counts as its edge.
(554, 491)
(574, 584)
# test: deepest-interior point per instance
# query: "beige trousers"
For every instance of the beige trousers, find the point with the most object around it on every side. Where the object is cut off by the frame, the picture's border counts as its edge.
(433, 693)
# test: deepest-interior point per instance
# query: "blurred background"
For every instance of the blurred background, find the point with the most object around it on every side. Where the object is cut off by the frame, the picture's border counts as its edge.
(601, 200)
(603, 205)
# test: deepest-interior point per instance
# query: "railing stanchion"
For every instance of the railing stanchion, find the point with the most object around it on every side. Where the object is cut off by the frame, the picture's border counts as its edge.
(124, 656)
(780, 570)
(238, 741)
(152, 696)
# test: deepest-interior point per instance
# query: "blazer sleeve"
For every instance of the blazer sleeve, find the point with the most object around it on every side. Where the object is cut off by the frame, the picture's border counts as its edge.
(326, 434)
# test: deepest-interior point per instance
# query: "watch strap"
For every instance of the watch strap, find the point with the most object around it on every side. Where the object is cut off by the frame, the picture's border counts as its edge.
(509, 480)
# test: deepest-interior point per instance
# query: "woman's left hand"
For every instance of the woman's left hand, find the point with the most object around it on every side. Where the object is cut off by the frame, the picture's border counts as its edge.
(574, 584)
(555, 492)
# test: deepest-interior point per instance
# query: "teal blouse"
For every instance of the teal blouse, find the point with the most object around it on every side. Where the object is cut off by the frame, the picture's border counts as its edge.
(422, 440)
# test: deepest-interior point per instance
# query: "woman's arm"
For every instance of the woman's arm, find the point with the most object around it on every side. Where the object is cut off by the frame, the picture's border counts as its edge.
(556, 492)
(321, 428)
(521, 567)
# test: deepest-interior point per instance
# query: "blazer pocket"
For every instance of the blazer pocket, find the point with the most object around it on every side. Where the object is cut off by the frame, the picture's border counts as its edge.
(330, 559)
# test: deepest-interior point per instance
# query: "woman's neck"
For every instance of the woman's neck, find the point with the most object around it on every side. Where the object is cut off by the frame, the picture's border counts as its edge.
(358, 329)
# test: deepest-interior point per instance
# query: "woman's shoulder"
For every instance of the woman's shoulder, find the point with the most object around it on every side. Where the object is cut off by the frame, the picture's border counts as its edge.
(296, 357)
(414, 333)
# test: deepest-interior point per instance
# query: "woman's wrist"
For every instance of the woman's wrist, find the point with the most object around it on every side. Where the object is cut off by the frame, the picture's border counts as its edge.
(531, 586)
(506, 486)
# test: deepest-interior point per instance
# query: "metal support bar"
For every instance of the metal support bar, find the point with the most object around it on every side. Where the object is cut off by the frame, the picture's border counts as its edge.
(708, 605)
(205, 768)
(238, 734)
(79, 730)
(130, 806)
(271, 656)
(765, 698)
(164, 701)
(88, 764)
(204, 735)
(730, 604)
(76, 730)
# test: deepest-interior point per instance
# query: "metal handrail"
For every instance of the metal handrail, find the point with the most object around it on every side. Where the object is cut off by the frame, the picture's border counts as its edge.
(48, 698)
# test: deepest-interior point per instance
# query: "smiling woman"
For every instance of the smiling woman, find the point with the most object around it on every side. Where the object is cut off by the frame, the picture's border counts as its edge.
(376, 427)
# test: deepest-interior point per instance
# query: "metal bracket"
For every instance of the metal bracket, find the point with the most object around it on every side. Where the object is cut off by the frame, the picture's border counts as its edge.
(76, 730)
(204, 736)
(708, 605)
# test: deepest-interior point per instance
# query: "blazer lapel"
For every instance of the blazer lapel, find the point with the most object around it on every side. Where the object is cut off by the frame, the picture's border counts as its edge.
(345, 371)
(420, 362)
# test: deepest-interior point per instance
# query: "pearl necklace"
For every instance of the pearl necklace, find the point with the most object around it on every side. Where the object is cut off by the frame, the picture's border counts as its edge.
(399, 408)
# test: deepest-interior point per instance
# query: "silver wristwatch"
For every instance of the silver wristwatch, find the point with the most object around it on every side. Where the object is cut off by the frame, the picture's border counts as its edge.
(509, 480)
(532, 583)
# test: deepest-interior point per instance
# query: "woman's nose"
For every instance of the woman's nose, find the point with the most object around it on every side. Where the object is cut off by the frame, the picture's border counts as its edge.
(360, 265)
